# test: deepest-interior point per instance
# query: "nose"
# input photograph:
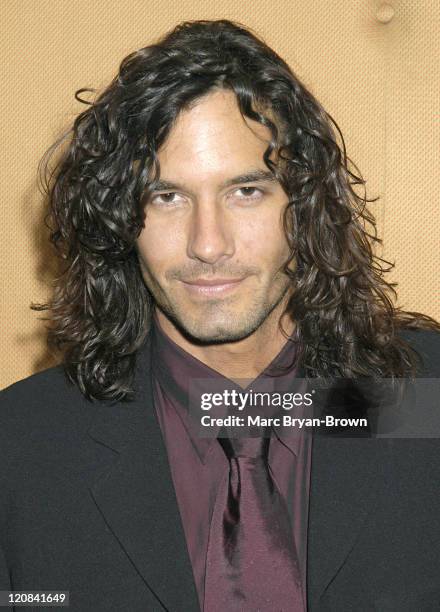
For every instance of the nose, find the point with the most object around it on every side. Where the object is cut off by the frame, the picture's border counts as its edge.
(210, 236)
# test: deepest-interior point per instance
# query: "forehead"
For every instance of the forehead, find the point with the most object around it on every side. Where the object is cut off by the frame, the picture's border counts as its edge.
(213, 136)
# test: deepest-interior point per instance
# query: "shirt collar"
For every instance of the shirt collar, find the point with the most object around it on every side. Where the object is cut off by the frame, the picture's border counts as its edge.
(173, 367)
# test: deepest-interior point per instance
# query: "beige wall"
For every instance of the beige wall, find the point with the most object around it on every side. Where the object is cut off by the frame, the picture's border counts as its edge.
(378, 78)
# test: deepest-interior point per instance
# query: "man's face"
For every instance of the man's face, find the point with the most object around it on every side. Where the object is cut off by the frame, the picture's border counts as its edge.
(215, 217)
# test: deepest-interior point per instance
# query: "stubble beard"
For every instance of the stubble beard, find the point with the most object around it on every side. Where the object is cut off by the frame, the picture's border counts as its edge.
(208, 327)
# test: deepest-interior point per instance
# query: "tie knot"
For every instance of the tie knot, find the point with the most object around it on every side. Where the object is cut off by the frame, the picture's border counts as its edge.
(252, 448)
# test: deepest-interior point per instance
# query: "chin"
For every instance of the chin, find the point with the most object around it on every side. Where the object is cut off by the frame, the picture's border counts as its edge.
(218, 335)
(220, 330)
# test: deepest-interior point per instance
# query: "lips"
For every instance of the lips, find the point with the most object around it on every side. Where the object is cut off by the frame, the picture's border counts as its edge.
(212, 287)
(213, 282)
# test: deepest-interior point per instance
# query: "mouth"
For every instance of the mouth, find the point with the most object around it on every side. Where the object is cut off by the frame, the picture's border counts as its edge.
(212, 287)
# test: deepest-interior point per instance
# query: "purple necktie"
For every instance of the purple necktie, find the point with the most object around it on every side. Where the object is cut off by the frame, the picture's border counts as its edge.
(251, 563)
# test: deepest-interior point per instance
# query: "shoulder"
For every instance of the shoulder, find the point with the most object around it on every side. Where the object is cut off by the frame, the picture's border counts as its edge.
(44, 404)
(427, 344)
(40, 391)
(43, 381)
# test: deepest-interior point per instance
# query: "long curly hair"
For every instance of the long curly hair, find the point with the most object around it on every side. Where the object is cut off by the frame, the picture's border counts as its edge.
(101, 308)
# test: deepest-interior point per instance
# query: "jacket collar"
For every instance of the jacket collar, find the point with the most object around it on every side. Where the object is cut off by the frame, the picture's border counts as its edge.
(134, 491)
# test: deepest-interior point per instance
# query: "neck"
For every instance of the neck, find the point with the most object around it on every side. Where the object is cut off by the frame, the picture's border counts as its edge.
(243, 359)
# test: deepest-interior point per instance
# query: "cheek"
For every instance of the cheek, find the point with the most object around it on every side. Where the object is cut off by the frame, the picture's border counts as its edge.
(159, 247)
(263, 241)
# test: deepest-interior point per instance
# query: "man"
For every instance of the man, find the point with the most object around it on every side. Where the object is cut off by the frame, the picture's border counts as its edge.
(210, 230)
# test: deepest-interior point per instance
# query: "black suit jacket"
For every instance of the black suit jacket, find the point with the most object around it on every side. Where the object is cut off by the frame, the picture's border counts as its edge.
(88, 505)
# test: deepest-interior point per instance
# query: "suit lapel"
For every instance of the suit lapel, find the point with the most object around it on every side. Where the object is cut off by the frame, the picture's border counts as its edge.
(133, 490)
(345, 479)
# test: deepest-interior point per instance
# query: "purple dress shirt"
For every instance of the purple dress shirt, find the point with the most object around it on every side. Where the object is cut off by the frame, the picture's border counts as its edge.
(198, 464)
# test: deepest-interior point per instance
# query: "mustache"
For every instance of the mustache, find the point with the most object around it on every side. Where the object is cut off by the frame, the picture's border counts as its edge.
(192, 273)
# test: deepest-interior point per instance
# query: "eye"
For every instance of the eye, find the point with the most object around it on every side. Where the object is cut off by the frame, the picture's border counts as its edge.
(248, 193)
(169, 197)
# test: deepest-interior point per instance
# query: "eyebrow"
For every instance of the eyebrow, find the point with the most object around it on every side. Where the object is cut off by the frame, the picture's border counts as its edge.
(253, 176)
